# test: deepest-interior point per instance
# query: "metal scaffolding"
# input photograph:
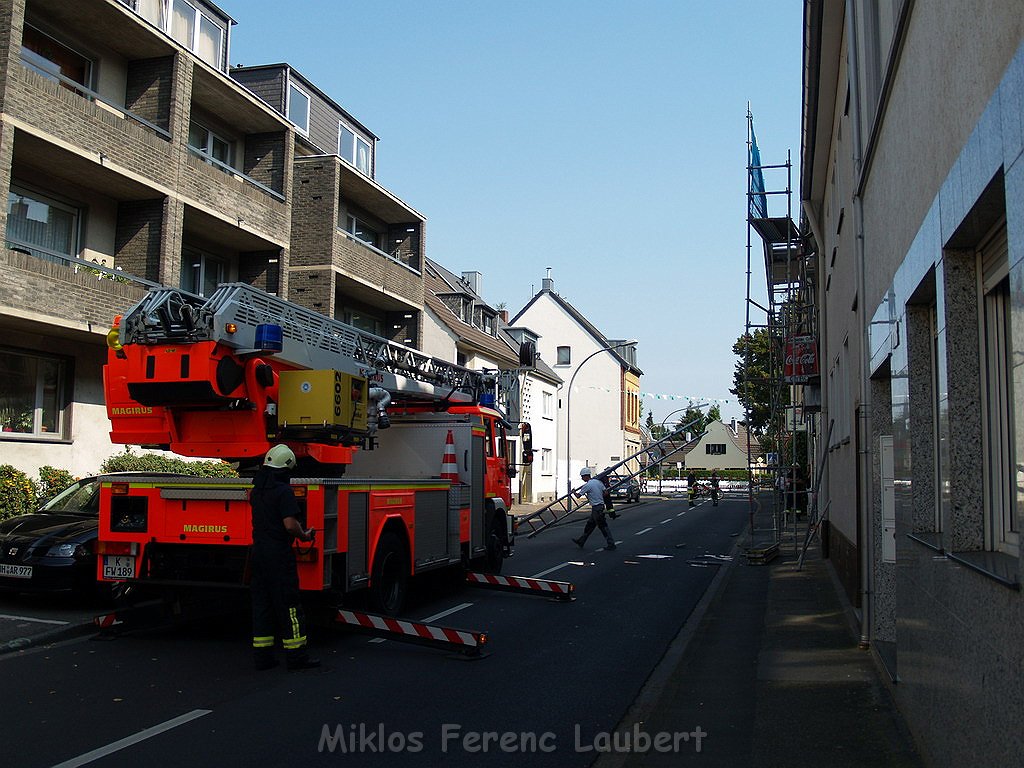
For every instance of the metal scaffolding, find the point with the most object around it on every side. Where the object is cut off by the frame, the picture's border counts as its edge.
(780, 359)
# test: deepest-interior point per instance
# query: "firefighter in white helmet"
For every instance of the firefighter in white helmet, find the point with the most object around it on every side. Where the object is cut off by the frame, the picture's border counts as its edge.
(594, 489)
(276, 606)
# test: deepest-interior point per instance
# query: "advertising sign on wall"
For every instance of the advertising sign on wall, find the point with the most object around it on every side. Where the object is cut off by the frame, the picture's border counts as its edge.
(801, 360)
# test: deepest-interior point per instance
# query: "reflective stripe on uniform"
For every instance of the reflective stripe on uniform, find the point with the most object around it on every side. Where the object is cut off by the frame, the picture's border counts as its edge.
(297, 640)
(266, 641)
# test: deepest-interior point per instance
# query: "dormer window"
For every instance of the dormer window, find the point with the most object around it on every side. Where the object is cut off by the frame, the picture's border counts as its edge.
(298, 108)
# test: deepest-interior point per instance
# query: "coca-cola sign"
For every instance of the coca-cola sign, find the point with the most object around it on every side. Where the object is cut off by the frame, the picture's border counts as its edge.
(801, 359)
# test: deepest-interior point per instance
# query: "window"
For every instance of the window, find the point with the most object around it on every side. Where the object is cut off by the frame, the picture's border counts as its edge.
(360, 230)
(545, 461)
(298, 108)
(564, 356)
(355, 149)
(202, 272)
(40, 225)
(547, 405)
(197, 32)
(364, 322)
(31, 394)
(997, 389)
(715, 449)
(53, 60)
(206, 142)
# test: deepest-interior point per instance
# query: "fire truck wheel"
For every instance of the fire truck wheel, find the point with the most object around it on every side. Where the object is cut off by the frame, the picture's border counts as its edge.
(495, 548)
(390, 576)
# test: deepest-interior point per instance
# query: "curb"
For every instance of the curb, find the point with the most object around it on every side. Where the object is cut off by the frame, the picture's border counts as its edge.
(654, 687)
(47, 638)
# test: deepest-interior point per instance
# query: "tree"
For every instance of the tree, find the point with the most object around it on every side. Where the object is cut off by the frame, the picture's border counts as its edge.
(755, 380)
(714, 414)
(656, 431)
(694, 420)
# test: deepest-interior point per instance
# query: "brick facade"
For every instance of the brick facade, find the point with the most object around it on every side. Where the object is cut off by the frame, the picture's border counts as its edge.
(150, 83)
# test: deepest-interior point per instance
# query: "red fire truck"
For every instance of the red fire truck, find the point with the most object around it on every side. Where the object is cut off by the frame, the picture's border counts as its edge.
(404, 461)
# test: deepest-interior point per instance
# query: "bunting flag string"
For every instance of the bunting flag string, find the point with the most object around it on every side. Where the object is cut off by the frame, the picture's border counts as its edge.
(663, 396)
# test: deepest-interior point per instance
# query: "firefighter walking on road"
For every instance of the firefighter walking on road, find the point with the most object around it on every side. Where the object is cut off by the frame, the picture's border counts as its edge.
(276, 606)
(594, 490)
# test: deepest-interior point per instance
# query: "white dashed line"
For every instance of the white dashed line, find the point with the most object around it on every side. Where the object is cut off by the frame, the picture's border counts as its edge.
(641, 533)
(549, 570)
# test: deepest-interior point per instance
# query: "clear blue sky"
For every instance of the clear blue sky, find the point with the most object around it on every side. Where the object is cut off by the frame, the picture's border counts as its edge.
(604, 139)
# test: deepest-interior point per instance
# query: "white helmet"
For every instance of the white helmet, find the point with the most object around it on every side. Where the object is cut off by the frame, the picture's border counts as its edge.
(280, 457)
(586, 472)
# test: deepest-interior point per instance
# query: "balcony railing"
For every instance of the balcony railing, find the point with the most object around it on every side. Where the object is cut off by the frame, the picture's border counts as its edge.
(100, 271)
(91, 95)
(400, 259)
(231, 171)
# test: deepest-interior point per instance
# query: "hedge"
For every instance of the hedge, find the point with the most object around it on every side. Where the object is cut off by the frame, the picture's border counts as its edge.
(127, 461)
(19, 493)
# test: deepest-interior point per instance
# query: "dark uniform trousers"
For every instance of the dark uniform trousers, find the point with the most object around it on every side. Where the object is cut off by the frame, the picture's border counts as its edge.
(275, 601)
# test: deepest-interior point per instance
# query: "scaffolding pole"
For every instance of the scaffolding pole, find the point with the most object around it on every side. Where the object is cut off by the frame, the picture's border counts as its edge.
(784, 324)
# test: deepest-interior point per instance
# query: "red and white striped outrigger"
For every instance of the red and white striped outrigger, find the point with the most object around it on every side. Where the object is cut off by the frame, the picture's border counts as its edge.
(464, 641)
(562, 591)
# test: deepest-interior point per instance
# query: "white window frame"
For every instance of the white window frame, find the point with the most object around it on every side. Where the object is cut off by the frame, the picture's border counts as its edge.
(197, 25)
(548, 405)
(292, 86)
(998, 454)
(206, 261)
(37, 429)
(40, 197)
(350, 154)
(545, 461)
(352, 223)
(207, 149)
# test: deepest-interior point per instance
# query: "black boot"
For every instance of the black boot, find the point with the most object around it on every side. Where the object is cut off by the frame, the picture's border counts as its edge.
(578, 542)
(297, 660)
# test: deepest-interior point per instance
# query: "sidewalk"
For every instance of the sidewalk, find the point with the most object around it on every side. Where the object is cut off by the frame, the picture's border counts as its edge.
(770, 671)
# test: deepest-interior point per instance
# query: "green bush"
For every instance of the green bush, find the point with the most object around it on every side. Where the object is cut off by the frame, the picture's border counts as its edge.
(52, 481)
(152, 462)
(18, 492)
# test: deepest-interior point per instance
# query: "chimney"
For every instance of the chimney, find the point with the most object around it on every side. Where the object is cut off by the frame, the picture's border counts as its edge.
(732, 425)
(473, 280)
(503, 314)
(548, 284)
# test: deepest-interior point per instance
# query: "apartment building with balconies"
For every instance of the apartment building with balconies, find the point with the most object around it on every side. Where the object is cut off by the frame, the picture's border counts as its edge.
(357, 251)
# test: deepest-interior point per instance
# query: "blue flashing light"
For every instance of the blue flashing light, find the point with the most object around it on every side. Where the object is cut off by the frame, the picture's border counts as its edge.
(269, 338)
(487, 399)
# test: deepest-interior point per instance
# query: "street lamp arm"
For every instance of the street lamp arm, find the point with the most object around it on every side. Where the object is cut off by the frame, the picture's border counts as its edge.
(568, 404)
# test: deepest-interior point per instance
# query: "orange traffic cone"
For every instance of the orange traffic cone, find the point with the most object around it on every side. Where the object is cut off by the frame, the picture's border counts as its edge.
(450, 467)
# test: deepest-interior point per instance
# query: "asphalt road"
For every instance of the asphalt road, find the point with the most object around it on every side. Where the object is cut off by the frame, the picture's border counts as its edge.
(557, 680)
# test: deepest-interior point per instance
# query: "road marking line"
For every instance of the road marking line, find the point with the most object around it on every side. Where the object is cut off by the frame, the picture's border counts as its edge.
(641, 533)
(680, 514)
(29, 618)
(442, 614)
(148, 733)
(549, 570)
(665, 521)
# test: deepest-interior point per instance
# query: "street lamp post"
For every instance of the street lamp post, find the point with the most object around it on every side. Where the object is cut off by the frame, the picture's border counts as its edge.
(661, 466)
(568, 413)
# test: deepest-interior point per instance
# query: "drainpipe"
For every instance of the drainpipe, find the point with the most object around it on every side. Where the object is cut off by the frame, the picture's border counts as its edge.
(864, 416)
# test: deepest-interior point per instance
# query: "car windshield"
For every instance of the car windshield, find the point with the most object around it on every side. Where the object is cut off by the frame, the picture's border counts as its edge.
(82, 498)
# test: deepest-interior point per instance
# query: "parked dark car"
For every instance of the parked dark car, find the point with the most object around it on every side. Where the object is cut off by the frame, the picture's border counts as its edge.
(54, 549)
(623, 488)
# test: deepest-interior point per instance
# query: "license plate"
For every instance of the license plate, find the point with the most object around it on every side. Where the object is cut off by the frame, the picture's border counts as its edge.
(118, 567)
(16, 571)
